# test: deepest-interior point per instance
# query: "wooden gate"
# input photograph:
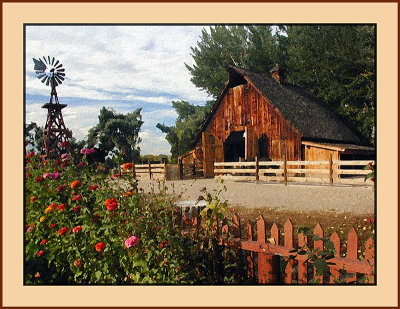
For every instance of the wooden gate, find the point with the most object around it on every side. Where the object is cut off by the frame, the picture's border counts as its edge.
(213, 151)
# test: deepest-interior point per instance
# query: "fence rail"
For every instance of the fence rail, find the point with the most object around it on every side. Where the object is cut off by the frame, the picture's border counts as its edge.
(264, 255)
(149, 171)
(338, 172)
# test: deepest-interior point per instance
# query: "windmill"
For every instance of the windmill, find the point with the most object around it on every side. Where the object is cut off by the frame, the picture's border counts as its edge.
(55, 135)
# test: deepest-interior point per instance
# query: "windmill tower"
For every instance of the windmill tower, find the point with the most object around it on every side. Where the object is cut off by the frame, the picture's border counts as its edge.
(55, 134)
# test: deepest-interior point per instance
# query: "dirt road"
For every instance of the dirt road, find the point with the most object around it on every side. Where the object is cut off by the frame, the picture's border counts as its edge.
(301, 197)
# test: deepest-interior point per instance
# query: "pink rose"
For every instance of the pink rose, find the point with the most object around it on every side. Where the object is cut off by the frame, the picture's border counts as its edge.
(131, 241)
(77, 229)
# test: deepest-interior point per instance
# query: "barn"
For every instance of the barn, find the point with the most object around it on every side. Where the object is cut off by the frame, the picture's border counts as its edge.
(258, 116)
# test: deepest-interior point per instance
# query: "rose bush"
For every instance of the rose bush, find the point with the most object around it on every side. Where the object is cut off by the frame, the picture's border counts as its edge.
(81, 227)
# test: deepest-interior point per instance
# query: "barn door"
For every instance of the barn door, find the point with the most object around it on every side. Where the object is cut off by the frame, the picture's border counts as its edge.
(212, 152)
(278, 149)
(251, 143)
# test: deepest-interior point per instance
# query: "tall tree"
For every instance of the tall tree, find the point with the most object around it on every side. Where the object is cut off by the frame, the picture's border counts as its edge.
(250, 47)
(117, 131)
(181, 135)
(337, 64)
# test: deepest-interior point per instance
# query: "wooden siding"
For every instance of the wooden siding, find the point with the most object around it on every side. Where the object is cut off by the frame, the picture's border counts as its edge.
(243, 106)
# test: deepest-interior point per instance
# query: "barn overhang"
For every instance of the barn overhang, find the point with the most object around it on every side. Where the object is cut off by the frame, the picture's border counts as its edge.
(341, 147)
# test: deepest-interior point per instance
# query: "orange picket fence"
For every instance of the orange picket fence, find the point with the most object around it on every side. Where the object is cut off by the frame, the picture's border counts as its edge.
(264, 252)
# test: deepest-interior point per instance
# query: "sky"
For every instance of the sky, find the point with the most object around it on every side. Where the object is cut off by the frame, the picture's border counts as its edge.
(120, 67)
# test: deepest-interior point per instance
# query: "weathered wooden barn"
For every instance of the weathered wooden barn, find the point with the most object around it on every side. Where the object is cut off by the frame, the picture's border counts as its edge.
(257, 116)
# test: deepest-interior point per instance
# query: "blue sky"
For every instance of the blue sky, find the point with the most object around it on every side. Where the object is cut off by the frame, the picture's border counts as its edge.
(123, 67)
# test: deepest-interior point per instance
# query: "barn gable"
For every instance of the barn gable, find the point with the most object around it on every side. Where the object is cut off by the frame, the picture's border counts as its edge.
(310, 117)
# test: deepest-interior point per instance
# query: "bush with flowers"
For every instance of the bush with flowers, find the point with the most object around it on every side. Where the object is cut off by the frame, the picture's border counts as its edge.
(83, 227)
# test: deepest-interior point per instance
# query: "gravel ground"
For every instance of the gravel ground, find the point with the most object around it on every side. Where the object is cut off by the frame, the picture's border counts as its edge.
(298, 197)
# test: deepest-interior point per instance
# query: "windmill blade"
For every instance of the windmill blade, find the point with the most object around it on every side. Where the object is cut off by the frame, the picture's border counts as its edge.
(57, 80)
(45, 61)
(48, 81)
(61, 70)
(60, 74)
(41, 75)
(59, 66)
(52, 61)
(48, 57)
(44, 78)
(56, 63)
(60, 77)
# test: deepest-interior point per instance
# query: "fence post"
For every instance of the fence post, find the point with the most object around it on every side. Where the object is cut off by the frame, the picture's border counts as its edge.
(284, 169)
(194, 168)
(330, 169)
(179, 168)
(149, 169)
(165, 171)
(257, 170)
(133, 170)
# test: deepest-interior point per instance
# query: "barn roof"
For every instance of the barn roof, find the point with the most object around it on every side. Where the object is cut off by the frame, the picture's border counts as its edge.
(312, 118)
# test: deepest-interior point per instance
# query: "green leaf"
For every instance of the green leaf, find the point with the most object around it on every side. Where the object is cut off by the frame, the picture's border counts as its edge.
(321, 267)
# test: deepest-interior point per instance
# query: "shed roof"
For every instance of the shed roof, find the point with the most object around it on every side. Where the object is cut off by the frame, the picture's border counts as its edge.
(312, 118)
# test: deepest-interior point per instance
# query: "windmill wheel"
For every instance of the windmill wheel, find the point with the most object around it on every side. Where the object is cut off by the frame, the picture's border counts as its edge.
(49, 70)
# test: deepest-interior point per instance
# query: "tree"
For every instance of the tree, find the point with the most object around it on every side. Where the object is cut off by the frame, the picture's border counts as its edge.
(33, 136)
(250, 47)
(181, 135)
(337, 64)
(117, 132)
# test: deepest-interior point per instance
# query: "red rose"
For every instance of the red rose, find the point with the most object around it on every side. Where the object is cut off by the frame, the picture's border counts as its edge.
(77, 208)
(43, 242)
(61, 188)
(52, 225)
(100, 246)
(63, 231)
(111, 204)
(39, 179)
(78, 263)
(76, 229)
(61, 207)
(94, 188)
(95, 218)
(40, 253)
(77, 197)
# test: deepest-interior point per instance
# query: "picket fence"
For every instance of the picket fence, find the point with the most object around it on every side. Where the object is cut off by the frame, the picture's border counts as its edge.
(332, 172)
(264, 254)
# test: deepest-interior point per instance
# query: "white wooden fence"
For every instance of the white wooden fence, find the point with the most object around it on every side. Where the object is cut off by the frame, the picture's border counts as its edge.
(149, 171)
(342, 172)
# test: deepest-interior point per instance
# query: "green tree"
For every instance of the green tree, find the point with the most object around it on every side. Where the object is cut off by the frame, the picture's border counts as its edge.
(249, 47)
(337, 64)
(33, 136)
(181, 135)
(117, 132)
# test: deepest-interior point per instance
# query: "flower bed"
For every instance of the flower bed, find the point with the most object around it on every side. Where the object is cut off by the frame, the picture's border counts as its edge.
(81, 227)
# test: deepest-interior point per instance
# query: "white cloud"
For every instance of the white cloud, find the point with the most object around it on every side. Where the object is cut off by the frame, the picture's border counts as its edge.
(115, 63)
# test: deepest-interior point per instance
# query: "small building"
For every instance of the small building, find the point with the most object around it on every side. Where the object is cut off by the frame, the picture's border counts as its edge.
(257, 116)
